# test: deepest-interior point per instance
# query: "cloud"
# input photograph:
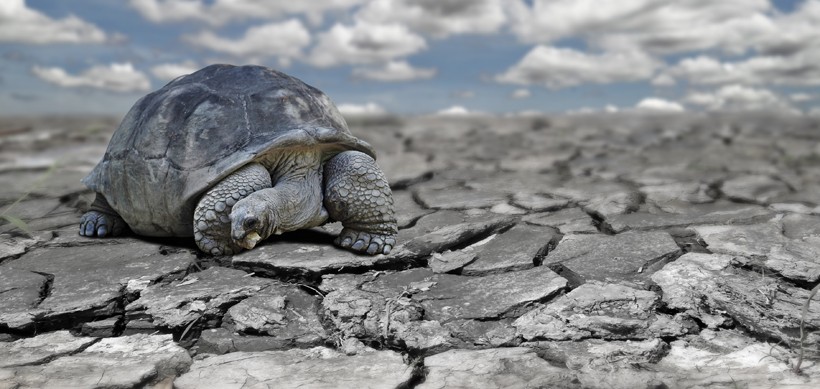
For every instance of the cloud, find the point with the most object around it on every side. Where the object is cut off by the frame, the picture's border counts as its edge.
(170, 71)
(457, 110)
(21, 24)
(801, 97)
(369, 108)
(116, 77)
(663, 80)
(737, 97)
(656, 104)
(521, 93)
(558, 68)
(795, 32)
(800, 69)
(648, 25)
(284, 40)
(364, 43)
(394, 71)
(438, 18)
(219, 12)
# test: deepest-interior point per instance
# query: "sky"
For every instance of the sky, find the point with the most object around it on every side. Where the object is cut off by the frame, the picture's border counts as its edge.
(415, 57)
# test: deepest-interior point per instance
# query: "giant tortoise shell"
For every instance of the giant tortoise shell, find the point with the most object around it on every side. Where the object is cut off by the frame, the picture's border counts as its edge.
(179, 141)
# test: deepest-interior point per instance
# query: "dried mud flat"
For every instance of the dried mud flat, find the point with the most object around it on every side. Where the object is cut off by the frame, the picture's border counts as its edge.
(615, 251)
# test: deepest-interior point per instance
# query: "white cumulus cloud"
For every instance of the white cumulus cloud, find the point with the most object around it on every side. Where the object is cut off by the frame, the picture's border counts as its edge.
(649, 25)
(799, 69)
(438, 18)
(117, 77)
(284, 40)
(394, 71)
(457, 110)
(219, 12)
(659, 105)
(521, 93)
(170, 71)
(364, 43)
(562, 67)
(737, 97)
(801, 97)
(19, 23)
(369, 108)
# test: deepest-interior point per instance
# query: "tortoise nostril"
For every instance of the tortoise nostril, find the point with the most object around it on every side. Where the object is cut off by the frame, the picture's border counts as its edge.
(250, 223)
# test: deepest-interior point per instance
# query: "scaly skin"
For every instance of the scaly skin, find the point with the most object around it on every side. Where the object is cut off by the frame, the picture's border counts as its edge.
(212, 223)
(358, 195)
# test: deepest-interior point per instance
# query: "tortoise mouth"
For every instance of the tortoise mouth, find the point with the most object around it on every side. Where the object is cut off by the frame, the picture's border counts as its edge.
(250, 240)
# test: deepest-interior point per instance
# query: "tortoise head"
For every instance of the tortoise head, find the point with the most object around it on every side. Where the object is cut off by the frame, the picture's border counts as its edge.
(251, 222)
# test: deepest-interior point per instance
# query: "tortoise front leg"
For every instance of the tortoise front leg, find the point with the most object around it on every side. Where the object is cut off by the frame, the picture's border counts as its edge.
(101, 220)
(212, 223)
(358, 195)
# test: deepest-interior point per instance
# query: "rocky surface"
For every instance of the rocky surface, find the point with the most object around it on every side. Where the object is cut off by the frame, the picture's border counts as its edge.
(613, 251)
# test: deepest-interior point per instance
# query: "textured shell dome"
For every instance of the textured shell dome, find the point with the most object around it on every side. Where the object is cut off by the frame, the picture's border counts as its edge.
(179, 141)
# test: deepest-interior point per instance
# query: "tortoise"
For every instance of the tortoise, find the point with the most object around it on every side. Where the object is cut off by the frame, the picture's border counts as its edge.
(234, 154)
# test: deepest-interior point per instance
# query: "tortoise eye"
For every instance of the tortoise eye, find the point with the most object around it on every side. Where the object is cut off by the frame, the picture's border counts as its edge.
(250, 223)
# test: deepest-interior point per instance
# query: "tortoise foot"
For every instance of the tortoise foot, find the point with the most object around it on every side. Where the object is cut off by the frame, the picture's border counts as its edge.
(365, 242)
(100, 224)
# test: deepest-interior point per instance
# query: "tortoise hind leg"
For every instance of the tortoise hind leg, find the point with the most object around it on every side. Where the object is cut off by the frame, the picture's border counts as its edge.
(212, 223)
(358, 195)
(101, 220)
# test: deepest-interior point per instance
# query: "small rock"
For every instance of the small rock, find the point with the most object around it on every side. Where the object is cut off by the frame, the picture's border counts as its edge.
(513, 367)
(489, 297)
(101, 328)
(760, 189)
(597, 310)
(122, 362)
(707, 287)
(202, 296)
(629, 257)
(567, 221)
(618, 203)
(484, 333)
(507, 209)
(521, 247)
(667, 196)
(223, 341)
(764, 245)
(11, 246)
(41, 349)
(453, 260)
(287, 314)
(590, 355)
(21, 291)
(443, 230)
(722, 213)
(318, 367)
(538, 203)
(800, 226)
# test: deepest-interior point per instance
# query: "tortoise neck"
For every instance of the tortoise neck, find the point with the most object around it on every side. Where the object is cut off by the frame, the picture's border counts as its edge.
(296, 196)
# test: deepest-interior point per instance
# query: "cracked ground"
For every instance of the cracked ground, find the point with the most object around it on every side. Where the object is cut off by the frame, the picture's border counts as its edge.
(615, 251)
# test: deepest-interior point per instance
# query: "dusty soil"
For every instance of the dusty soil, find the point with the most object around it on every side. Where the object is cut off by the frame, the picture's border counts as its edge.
(571, 251)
